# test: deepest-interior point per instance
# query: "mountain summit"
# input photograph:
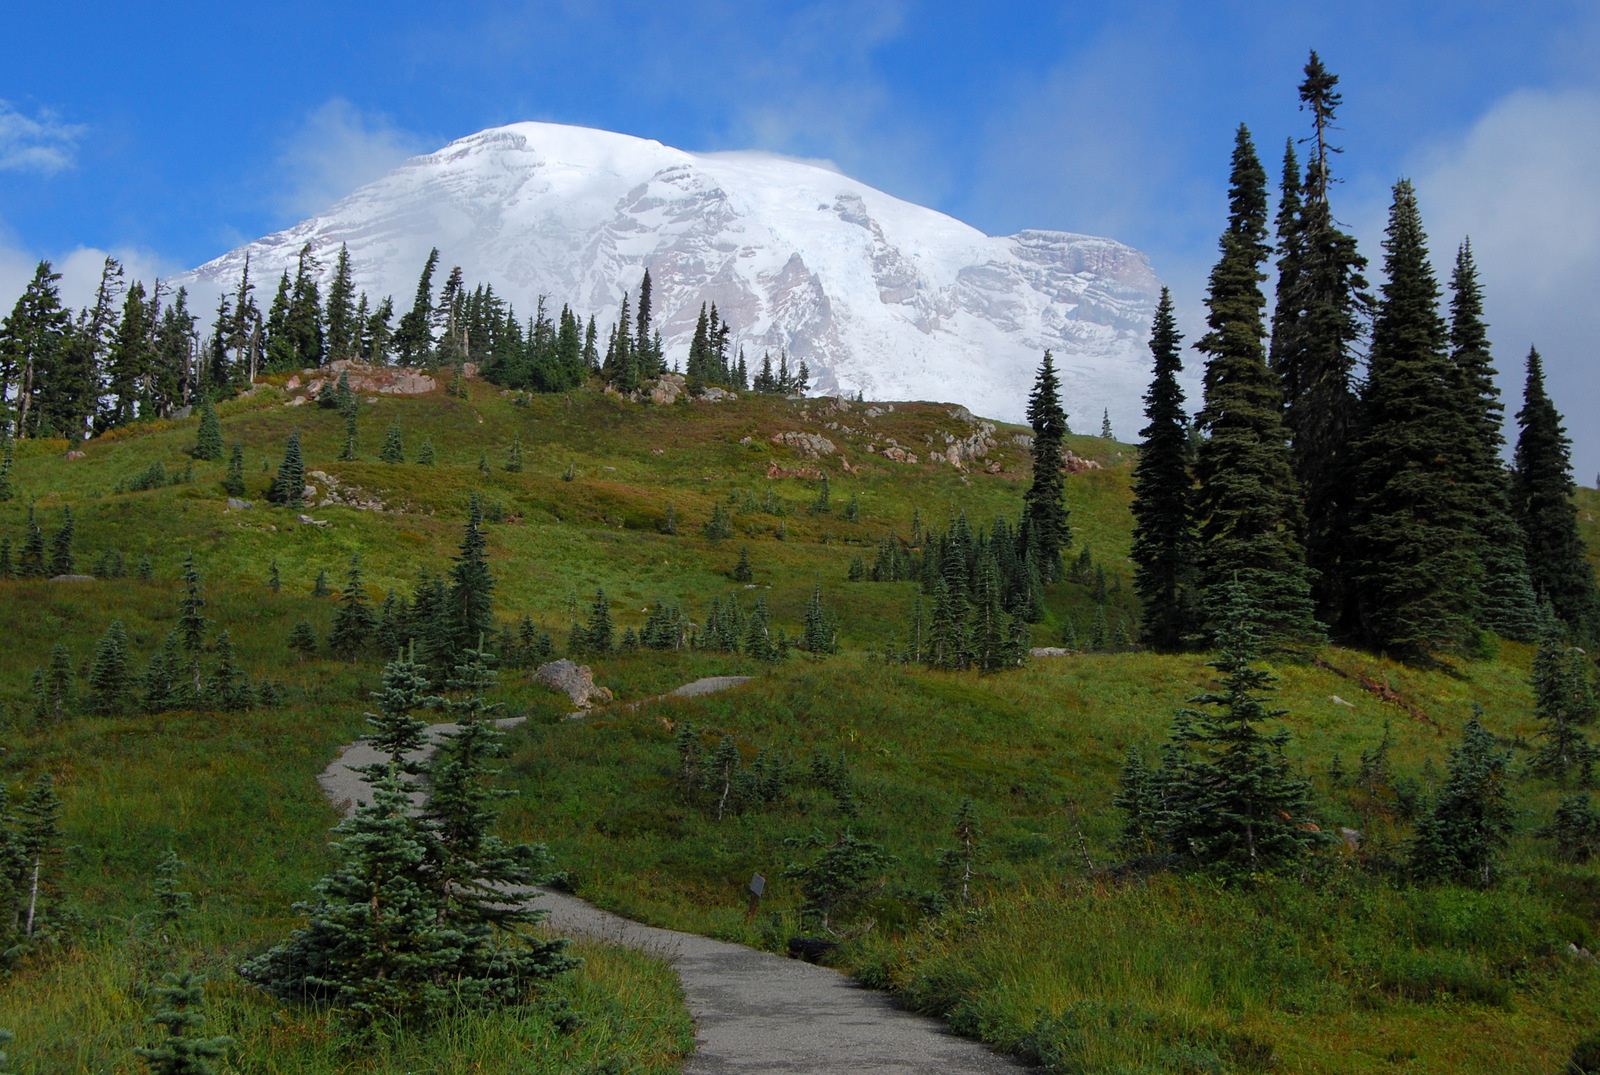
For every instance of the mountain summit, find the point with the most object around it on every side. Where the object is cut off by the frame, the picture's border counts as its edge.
(873, 293)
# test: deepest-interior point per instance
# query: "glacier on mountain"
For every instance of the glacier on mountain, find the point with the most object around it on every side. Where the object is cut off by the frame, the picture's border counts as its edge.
(875, 294)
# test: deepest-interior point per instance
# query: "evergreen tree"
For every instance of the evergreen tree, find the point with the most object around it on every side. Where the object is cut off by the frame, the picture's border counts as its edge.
(1105, 425)
(1163, 529)
(1043, 507)
(1240, 807)
(233, 482)
(320, 588)
(1461, 839)
(1416, 569)
(343, 327)
(425, 457)
(208, 439)
(990, 625)
(846, 873)
(514, 458)
(61, 559)
(31, 562)
(1247, 502)
(947, 632)
(227, 689)
(182, 1051)
(471, 583)
(1100, 629)
(289, 487)
(274, 579)
(818, 635)
(1564, 702)
(742, 572)
(8, 568)
(348, 455)
(1509, 607)
(302, 639)
(191, 623)
(33, 339)
(162, 684)
(8, 463)
(172, 905)
(1575, 829)
(109, 692)
(599, 633)
(413, 336)
(353, 623)
(1316, 330)
(395, 732)
(1541, 497)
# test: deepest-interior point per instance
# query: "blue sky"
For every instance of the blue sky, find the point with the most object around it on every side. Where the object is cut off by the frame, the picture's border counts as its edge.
(170, 132)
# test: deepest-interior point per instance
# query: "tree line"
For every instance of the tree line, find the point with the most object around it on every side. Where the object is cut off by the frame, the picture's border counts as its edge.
(1366, 503)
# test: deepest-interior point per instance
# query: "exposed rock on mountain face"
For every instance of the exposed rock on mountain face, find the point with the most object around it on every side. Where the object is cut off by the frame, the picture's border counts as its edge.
(873, 293)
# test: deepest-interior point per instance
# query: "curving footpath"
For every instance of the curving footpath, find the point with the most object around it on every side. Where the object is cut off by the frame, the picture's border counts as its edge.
(753, 1011)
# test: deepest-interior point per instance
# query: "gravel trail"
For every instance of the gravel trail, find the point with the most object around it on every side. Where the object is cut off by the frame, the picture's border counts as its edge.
(753, 1011)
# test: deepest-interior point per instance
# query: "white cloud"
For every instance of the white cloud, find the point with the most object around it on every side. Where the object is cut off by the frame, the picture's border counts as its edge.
(79, 270)
(38, 144)
(1524, 183)
(336, 150)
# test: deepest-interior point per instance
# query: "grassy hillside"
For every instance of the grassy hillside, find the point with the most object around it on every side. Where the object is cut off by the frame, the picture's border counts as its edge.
(1342, 969)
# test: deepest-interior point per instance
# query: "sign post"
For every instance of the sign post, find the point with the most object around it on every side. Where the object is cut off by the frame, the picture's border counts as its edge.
(758, 885)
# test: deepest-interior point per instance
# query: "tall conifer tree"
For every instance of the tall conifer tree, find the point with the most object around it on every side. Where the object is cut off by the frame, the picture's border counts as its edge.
(1164, 547)
(471, 584)
(1248, 507)
(1541, 492)
(1509, 606)
(1416, 565)
(1043, 505)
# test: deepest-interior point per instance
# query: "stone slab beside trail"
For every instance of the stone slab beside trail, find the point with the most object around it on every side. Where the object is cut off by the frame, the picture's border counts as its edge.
(753, 1011)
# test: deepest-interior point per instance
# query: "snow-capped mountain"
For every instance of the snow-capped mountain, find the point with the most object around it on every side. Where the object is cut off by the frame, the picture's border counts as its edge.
(874, 293)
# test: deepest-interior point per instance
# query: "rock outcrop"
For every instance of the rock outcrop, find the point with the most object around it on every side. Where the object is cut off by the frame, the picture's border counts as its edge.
(576, 681)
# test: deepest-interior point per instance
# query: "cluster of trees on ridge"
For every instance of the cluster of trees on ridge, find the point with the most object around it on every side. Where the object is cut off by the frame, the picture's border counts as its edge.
(137, 353)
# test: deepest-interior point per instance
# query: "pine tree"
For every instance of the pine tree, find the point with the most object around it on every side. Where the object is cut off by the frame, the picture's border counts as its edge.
(208, 439)
(758, 640)
(1043, 507)
(343, 326)
(990, 625)
(8, 463)
(742, 572)
(302, 639)
(191, 624)
(1541, 498)
(1564, 702)
(227, 688)
(233, 483)
(353, 623)
(109, 692)
(1461, 839)
(320, 587)
(348, 455)
(1164, 547)
(161, 681)
(8, 567)
(425, 457)
(1509, 607)
(182, 1051)
(818, 635)
(669, 525)
(289, 487)
(1240, 807)
(1575, 829)
(172, 904)
(1416, 569)
(413, 336)
(514, 458)
(61, 559)
(1105, 425)
(471, 583)
(1316, 330)
(31, 562)
(274, 580)
(1247, 502)
(394, 449)
(598, 635)
(38, 824)
(395, 732)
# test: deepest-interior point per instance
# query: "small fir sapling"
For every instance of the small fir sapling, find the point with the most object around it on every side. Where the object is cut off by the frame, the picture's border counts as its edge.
(353, 622)
(426, 457)
(721, 774)
(1575, 828)
(208, 438)
(852, 510)
(320, 587)
(180, 999)
(172, 904)
(8, 568)
(147, 570)
(858, 569)
(1100, 632)
(483, 464)
(959, 862)
(394, 451)
(8, 463)
(348, 455)
(61, 560)
(289, 487)
(109, 678)
(302, 639)
(191, 623)
(228, 688)
(31, 561)
(274, 579)
(1462, 839)
(686, 739)
(599, 633)
(840, 880)
(822, 505)
(742, 571)
(670, 524)
(233, 482)
(514, 457)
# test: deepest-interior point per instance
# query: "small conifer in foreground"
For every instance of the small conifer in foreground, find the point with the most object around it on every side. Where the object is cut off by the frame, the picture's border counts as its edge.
(191, 624)
(353, 623)
(426, 457)
(109, 680)
(182, 1052)
(61, 559)
(233, 482)
(1462, 838)
(208, 438)
(742, 571)
(302, 639)
(289, 487)
(393, 450)
(319, 588)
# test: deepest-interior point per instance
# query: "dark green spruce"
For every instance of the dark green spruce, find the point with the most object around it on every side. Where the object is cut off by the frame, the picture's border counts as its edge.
(1044, 507)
